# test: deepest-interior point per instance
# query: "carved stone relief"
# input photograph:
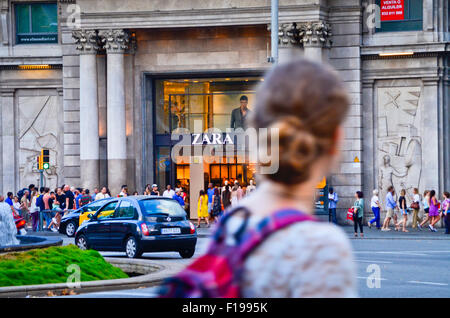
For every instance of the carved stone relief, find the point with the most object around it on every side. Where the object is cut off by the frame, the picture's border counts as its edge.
(39, 128)
(115, 41)
(399, 139)
(86, 40)
(304, 33)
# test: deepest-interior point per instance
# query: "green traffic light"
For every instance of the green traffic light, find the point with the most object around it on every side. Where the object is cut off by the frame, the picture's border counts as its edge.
(46, 166)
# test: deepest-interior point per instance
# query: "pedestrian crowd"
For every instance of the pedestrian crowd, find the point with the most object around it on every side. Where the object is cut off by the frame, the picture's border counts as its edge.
(29, 202)
(212, 202)
(398, 210)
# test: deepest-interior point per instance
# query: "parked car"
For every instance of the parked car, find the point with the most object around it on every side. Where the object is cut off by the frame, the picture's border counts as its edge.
(73, 219)
(139, 224)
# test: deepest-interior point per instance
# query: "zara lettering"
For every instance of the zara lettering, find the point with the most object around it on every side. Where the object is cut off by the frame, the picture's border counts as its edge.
(211, 139)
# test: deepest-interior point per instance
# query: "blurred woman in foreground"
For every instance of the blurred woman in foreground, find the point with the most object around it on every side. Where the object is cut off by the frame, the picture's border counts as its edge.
(307, 103)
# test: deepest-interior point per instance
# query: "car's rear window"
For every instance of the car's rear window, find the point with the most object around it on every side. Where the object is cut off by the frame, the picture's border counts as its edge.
(157, 206)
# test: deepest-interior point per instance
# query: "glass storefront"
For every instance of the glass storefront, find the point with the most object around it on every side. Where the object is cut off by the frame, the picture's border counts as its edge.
(190, 107)
(200, 103)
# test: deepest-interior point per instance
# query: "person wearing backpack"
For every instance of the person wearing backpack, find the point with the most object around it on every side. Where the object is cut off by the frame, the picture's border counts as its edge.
(271, 245)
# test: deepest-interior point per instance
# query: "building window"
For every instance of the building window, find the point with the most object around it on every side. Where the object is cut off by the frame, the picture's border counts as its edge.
(400, 15)
(36, 23)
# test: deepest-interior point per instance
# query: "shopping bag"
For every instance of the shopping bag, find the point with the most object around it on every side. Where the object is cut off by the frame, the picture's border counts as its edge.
(350, 214)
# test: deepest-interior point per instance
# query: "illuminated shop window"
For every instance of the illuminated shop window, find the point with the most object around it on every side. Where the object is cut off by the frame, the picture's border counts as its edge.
(181, 102)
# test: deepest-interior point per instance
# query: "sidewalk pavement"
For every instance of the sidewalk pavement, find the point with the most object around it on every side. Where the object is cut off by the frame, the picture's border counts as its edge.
(372, 233)
(369, 233)
(413, 234)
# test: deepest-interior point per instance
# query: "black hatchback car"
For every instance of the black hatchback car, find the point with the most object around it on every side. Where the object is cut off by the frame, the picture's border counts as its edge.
(137, 225)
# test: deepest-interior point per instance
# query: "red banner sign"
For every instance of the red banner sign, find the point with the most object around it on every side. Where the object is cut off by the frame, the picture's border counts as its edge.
(392, 10)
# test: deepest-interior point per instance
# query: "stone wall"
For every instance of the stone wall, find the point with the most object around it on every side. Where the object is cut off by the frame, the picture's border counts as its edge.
(344, 55)
(31, 116)
(404, 130)
(71, 101)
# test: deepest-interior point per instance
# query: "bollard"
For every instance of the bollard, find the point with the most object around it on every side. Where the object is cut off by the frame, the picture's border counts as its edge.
(40, 221)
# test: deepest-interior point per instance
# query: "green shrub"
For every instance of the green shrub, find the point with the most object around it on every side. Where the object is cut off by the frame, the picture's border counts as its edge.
(49, 265)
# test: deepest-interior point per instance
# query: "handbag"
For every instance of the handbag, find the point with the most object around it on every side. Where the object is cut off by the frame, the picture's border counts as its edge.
(415, 206)
(350, 214)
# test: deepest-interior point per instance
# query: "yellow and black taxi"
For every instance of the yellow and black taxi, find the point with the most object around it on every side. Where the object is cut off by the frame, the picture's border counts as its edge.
(73, 219)
(137, 225)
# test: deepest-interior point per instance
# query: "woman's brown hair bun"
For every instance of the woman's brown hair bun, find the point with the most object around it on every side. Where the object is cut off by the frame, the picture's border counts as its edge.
(307, 102)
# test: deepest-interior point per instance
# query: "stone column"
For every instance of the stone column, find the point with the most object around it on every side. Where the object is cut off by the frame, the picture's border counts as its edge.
(315, 36)
(8, 136)
(369, 155)
(196, 170)
(432, 178)
(89, 134)
(289, 47)
(115, 43)
(102, 120)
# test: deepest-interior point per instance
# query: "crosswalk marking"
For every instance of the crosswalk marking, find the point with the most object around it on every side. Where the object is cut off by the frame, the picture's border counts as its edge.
(427, 283)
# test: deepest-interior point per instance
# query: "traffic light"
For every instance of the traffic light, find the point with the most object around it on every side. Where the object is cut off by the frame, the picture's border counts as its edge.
(43, 161)
(39, 163)
(45, 154)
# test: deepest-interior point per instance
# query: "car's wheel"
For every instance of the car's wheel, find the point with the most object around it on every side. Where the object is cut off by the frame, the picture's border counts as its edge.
(81, 242)
(187, 253)
(71, 228)
(131, 248)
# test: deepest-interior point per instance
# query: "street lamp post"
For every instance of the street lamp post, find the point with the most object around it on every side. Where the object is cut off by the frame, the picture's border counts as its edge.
(274, 31)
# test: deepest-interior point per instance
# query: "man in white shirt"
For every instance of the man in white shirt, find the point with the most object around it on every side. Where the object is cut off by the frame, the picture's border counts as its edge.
(332, 205)
(376, 208)
(168, 193)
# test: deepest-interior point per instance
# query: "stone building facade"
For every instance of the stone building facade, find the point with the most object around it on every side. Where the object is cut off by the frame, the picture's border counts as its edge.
(89, 95)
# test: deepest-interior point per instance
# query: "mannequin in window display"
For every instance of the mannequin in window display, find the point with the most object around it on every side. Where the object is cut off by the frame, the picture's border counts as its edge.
(239, 115)
(178, 115)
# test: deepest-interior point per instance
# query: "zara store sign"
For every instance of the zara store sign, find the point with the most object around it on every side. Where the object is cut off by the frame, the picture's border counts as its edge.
(212, 139)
